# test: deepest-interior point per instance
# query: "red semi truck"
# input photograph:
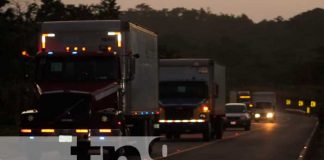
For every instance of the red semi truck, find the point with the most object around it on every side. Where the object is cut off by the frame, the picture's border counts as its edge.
(94, 78)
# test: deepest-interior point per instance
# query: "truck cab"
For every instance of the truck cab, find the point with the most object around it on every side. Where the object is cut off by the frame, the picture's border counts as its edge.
(89, 80)
(192, 97)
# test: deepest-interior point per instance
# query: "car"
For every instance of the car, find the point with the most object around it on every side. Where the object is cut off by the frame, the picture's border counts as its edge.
(237, 116)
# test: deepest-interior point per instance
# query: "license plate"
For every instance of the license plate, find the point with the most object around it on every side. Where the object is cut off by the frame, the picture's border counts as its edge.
(65, 139)
(233, 123)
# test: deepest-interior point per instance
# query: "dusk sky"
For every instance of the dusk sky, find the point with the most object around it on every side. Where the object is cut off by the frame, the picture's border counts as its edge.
(255, 9)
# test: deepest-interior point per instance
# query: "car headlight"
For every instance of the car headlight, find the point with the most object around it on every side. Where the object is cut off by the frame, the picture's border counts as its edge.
(270, 115)
(257, 115)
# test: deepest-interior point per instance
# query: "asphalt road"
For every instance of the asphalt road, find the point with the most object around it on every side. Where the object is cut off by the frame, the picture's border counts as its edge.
(283, 140)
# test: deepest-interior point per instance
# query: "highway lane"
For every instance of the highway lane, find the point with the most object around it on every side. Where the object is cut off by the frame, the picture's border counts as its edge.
(282, 140)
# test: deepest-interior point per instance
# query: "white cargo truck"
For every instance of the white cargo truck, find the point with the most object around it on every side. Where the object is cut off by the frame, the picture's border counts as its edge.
(264, 105)
(192, 97)
(97, 76)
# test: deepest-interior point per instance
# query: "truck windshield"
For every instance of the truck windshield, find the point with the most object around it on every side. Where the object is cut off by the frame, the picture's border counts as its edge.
(77, 68)
(235, 109)
(183, 90)
(263, 105)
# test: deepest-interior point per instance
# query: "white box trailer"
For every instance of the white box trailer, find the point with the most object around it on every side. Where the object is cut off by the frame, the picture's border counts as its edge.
(192, 97)
(124, 78)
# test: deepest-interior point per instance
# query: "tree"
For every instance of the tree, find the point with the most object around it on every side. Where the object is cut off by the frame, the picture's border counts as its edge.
(3, 3)
(108, 9)
(51, 10)
(81, 12)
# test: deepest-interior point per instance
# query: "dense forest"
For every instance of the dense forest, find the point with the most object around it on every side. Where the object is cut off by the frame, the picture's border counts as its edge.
(272, 53)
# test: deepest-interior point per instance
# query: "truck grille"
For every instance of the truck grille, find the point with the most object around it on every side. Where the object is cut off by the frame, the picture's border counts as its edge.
(179, 112)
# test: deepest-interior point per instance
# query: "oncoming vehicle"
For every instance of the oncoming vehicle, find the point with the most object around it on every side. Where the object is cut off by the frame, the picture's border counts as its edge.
(237, 116)
(264, 111)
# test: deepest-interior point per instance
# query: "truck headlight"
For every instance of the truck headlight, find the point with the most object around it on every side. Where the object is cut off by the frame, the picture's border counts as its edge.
(30, 118)
(257, 115)
(104, 118)
(270, 115)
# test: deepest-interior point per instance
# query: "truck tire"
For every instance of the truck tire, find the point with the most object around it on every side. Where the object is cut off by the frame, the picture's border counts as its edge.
(207, 134)
(219, 128)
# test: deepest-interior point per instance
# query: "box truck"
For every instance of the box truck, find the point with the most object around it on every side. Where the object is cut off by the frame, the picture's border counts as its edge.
(264, 105)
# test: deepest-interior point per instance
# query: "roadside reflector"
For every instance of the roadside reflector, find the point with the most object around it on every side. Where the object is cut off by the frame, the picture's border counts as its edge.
(105, 130)
(47, 130)
(313, 104)
(300, 103)
(81, 131)
(25, 130)
(308, 110)
(288, 102)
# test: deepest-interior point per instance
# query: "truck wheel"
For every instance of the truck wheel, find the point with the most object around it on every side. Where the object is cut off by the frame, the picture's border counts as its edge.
(207, 134)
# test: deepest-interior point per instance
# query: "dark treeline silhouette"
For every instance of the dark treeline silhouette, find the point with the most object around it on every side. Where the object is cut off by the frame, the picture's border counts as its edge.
(273, 53)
